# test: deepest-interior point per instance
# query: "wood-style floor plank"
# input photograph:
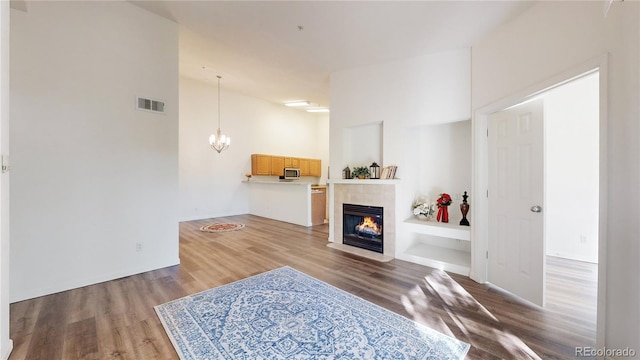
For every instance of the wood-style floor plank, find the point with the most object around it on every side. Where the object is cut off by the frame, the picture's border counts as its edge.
(81, 341)
(49, 333)
(116, 319)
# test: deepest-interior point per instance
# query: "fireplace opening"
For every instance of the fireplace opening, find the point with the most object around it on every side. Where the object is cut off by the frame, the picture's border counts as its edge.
(362, 227)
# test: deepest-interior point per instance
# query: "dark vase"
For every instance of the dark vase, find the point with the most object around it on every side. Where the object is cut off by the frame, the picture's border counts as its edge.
(464, 208)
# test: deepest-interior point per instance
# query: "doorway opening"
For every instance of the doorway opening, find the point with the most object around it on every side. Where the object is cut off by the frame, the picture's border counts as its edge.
(562, 273)
(571, 188)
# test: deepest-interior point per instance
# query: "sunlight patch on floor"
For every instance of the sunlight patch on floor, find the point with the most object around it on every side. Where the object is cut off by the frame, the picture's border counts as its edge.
(446, 306)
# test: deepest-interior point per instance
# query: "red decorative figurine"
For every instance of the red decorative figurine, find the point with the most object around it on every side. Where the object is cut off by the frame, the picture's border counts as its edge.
(443, 211)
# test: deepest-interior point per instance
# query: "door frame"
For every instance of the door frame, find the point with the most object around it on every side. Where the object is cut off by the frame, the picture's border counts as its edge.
(480, 175)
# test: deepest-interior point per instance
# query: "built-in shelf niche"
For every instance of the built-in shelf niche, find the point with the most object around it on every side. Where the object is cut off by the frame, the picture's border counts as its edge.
(444, 246)
(441, 162)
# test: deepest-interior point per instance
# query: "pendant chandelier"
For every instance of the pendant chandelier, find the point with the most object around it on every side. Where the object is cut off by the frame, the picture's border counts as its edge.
(218, 141)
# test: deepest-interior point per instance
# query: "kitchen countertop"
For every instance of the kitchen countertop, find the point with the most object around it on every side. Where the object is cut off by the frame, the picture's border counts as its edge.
(364, 181)
(294, 182)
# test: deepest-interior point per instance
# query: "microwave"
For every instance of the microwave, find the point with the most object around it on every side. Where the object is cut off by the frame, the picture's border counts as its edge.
(291, 174)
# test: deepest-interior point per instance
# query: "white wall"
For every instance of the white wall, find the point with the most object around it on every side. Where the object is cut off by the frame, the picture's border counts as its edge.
(93, 176)
(210, 183)
(322, 143)
(403, 96)
(429, 89)
(555, 37)
(363, 145)
(5, 343)
(571, 169)
(445, 158)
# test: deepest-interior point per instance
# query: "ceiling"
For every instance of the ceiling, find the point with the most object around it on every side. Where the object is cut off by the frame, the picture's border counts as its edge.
(286, 50)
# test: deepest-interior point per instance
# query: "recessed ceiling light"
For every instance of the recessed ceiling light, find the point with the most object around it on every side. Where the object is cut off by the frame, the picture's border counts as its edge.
(298, 103)
(324, 110)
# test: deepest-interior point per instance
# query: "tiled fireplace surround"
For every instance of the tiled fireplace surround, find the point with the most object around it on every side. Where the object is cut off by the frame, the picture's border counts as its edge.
(368, 193)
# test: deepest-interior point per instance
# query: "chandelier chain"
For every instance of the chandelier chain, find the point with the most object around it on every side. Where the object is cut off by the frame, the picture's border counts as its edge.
(219, 77)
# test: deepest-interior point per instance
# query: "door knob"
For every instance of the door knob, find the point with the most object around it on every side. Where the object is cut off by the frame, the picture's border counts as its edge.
(536, 208)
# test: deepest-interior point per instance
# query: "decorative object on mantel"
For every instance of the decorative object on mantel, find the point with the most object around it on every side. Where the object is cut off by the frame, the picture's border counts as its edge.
(221, 227)
(248, 175)
(443, 207)
(389, 172)
(422, 208)
(464, 208)
(218, 141)
(374, 171)
(346, 173)
(360, 172)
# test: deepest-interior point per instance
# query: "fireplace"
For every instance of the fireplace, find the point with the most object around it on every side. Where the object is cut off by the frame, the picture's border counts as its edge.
(362, 227)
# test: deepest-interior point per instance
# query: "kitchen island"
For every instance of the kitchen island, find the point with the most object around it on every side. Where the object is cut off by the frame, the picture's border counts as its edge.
(288, 201)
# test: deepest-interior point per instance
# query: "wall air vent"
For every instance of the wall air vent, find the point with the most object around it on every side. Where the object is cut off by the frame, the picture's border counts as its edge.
(145, 104)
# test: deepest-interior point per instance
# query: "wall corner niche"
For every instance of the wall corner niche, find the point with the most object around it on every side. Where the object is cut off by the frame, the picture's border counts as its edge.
(438, 161)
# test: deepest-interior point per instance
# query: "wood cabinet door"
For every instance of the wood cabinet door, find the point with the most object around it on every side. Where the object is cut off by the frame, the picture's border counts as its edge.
(288, 162)
(295, 163)
(305, 167)
(260, 164)
(277, 165)
(315, 167)
(318, 206)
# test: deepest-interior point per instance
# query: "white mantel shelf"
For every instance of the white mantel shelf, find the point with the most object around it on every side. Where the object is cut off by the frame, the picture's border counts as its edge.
(448, 230)
(364, 181)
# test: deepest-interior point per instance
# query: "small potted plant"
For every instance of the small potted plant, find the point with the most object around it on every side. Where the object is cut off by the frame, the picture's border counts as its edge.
(360, 172)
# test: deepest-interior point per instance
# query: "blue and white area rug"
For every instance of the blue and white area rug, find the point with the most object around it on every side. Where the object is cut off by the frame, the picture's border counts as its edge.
(285, 314)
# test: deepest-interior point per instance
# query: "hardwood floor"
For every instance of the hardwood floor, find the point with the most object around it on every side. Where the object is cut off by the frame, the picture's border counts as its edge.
(116, 320)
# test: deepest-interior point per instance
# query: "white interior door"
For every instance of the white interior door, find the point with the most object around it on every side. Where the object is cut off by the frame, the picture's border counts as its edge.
(516, 244)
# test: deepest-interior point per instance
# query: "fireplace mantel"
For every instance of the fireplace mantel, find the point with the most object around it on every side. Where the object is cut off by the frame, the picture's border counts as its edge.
(368, 192)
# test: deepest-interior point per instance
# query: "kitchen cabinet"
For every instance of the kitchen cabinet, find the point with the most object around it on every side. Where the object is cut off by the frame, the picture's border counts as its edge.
(315, 167)
(277, 165)
(273, 165)
(260, 164)
(304, 167)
